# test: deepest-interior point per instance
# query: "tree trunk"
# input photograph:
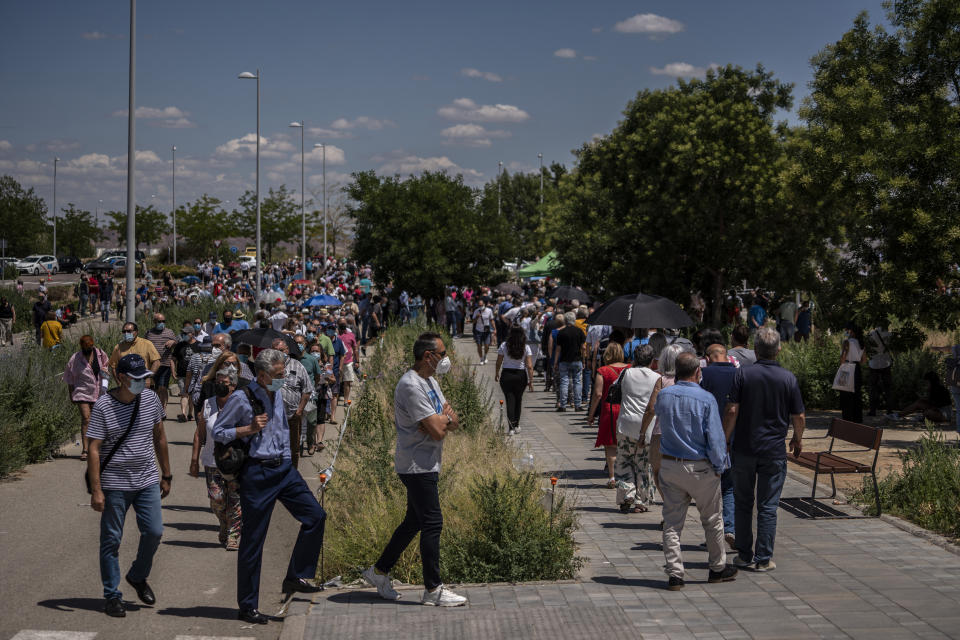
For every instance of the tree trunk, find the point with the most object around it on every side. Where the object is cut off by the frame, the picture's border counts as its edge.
(717, 310)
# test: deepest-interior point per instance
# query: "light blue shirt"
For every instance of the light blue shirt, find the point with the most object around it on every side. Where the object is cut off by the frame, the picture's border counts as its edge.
(273, 441)
(690, 426)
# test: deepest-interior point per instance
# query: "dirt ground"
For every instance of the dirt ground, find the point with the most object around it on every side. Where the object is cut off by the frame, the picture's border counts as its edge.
(897, 437)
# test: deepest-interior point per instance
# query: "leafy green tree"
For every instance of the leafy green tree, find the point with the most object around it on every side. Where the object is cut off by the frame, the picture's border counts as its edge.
(279, 218)
(200, 223)
(151, 225)
(685, 194)
(422, 233)
(76, 232)
(339, 220)
(23, 219)
(879, 157)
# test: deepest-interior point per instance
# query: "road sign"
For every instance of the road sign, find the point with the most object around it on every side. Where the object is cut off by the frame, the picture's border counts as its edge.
(234, 249)
(216, 243)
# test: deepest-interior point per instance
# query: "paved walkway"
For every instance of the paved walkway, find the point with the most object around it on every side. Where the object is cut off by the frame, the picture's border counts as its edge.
(835, 578)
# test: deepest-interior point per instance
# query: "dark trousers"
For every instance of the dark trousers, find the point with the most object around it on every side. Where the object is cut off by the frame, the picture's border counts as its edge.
(851, 404)
(260, 488)
(423, 517)
(760, 478)
(512, 383)
(38, 337)
(881, 382)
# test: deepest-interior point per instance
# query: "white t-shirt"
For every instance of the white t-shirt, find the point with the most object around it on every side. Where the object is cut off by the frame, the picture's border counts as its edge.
(854, 350)
(482, 319)
(510, 363)
(880, 339)
(414, 399)
(210, 413)
(636, 388)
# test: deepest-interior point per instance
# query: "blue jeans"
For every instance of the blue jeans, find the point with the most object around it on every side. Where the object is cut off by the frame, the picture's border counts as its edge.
(83, 304)
(765, 477)
(452, 323)
(146, 504)
(568, 370)
(105, 310)
(587, 383)
(726, 495)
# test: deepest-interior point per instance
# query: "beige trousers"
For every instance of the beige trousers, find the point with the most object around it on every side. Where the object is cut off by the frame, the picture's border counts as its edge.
(679, 483)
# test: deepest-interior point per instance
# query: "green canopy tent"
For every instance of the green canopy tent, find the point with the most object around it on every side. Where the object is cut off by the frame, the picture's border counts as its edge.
(545, 266)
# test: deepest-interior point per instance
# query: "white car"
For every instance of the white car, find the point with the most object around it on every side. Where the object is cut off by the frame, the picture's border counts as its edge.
(37, 265)
(247, 262)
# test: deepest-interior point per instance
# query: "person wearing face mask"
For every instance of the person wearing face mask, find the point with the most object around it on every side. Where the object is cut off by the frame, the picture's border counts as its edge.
(129, 343)
(853, 351)
(163, 340)
(86, 378)
(227, 325)
(268, 476)
(347, 374)
(182, 353)
(423, 419)
(201, 362)
(314, 368)
(129, 477)
(338, 352)
(199, 332)
(224, 494)
(297, 388)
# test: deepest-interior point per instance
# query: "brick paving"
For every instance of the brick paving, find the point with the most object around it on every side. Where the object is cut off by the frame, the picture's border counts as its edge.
(834, 579)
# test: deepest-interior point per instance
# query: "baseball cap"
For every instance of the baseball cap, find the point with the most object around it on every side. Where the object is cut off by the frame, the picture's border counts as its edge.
(213, 315)
(187, 328)
(133, 365)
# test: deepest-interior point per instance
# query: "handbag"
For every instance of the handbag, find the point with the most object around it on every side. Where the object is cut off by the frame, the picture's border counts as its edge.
(231, 457)
(615, 392)
(844, 379)
(106, 461)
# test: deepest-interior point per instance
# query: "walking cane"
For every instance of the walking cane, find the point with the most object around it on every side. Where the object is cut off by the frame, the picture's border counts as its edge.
(553, 493)
(323, 494)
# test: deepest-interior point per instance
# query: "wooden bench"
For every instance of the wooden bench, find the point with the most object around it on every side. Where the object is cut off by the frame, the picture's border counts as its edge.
(828, 462)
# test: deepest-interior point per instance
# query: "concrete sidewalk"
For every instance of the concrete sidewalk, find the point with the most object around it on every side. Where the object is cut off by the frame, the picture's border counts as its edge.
(834, 579)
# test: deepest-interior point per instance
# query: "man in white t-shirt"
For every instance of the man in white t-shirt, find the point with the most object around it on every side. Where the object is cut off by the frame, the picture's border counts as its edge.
(881, 365)
(423, 420)
(483, 330)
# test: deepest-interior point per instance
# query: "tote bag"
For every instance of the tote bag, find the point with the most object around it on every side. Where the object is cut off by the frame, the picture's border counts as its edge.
(843, 381)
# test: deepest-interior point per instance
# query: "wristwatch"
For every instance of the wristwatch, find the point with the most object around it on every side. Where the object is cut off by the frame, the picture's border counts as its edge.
(167, 478)
(449, 420)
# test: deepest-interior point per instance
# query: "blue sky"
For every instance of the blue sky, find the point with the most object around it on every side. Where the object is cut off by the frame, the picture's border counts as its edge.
(395, 87)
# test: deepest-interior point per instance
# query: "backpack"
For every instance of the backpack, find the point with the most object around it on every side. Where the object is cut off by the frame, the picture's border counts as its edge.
(232, 456)
(953, 367)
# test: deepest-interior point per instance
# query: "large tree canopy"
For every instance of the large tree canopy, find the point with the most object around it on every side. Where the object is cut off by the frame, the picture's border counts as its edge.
(424, 232)
(76, 232)
(685, 194)
(879, 157)
(279, 218)
(151, 225)
(23, 219)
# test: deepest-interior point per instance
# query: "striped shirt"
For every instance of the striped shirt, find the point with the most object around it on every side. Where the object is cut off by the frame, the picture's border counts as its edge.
(198, 363)
(134, 466)
(159, 340)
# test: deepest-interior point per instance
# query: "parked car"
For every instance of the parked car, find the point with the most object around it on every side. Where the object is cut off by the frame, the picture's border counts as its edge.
(100, 265)
(120, 267)
(38, 264)
(250, 262)
(69, 264)
(121, 253)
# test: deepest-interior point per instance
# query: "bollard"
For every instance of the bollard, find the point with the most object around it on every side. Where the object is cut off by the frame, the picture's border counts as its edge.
(323, 494)
(553, 494)
(500, 420)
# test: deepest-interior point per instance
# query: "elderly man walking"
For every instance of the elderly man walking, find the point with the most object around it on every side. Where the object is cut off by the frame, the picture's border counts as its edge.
(694, 454)
(763, 401)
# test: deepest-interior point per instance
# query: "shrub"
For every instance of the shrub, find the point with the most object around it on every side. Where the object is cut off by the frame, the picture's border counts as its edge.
(926, 490)
(495, 528)
(176, 270)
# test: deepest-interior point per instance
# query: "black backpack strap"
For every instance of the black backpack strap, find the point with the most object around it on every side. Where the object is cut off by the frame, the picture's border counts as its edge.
(121, 439)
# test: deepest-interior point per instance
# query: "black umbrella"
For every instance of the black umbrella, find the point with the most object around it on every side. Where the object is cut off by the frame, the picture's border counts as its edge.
(233, 281)
(641, 310)
(264, 338)
(570, 293)
(508, 288)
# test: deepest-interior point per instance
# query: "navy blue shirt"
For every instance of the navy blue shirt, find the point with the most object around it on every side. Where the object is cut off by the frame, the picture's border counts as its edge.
(718, 380)
(768, 395)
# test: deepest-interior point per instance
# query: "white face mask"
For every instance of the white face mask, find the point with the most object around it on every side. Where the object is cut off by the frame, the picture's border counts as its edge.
(216, 352)
(128, 336)
(444, 365)
(137, 386)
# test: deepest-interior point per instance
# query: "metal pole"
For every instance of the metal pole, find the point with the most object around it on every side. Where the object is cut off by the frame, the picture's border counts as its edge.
(325, 253)
(540, 156)
(256, 298)
(303, 211)
(96, 220)
(131, 311)
(173, 201)
(55, 161)
(499, 170)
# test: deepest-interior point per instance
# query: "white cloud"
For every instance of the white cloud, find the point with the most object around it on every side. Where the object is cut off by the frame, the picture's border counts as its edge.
(166, 117)
(94, 35)
(681, 70)
(467, 109)
(329, 134)
(246, 147)
(362, 122)
(565, 53)
(5, 145)
(649, 23)
(335, 155)
(486, 75)
(407, 164)
(472, 135)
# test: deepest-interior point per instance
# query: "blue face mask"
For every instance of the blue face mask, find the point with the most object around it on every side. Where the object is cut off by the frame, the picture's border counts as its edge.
(311, 335)
(242, 357)
(197, 327)
(160, 326)
(275, 385)
(128, 336)
(137, 386)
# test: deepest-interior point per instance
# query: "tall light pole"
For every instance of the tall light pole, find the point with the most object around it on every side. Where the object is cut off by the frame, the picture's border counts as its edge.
(303, 211)
(246, 75)
(55, 161)
(173, 199)
(131, 303)
(96, 219)
(499, 171)
(325, 254)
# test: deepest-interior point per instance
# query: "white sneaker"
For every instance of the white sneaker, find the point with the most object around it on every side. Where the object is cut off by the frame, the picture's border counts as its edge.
(763, 567)
(442, 597)
(384, 588)
(741, 564)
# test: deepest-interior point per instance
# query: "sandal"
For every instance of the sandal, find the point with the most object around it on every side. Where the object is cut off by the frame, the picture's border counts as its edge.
(311, 450)
(83, 455)
(321, 446)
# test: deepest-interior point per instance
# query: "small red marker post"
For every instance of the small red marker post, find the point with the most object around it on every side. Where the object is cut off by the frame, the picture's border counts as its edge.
(553, 493)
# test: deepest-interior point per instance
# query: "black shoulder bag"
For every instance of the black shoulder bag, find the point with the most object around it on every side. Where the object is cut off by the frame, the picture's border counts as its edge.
(231, 457)
(106, 461)
(615, 392)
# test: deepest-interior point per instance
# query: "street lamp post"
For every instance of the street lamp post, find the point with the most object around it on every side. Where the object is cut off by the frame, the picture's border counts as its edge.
(499, 171)
(324, 148)
(131, 303)
(173, 199)
(540, 156)
(96, 219)
(55, 161)
(303, 211)
(246, 75)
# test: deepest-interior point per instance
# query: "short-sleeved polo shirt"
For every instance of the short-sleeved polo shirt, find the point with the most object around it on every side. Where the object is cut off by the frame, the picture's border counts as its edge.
(768, 395)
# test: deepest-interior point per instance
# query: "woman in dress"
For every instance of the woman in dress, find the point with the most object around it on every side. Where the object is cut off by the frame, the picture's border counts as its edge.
(86, 378)
(613, 365)
(852, 351)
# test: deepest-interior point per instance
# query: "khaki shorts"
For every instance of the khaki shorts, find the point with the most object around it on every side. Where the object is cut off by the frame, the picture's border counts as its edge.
(346, 373)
